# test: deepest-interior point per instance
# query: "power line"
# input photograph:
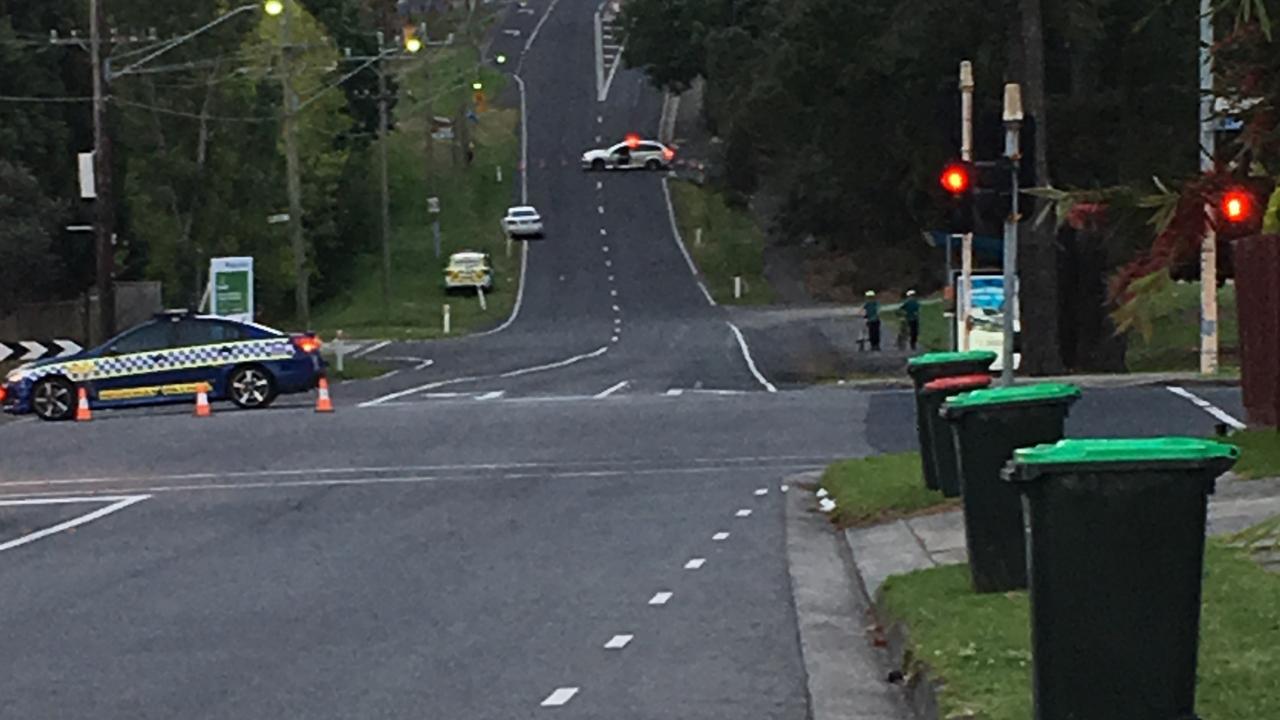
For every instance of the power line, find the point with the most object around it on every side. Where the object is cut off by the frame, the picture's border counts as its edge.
(33, 99)
(191, 115)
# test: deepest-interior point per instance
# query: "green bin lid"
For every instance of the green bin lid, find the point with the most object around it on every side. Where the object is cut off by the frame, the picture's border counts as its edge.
(939, 358)
(1015, 395)
(1147, 450)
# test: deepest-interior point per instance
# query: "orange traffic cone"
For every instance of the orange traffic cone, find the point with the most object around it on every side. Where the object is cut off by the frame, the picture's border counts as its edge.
(323, 403)
(202, 401)
(83, 414)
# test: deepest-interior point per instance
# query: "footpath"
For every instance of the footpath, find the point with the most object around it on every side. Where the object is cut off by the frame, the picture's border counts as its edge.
(852, 662)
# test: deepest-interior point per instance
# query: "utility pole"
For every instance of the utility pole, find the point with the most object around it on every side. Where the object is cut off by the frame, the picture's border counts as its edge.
(1209, 248)
(301, 294)
(966, 243)
(386, 197)
(1012, 117)
(103, 221)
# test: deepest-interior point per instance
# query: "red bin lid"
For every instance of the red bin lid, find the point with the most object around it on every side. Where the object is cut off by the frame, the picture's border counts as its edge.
(959, 382)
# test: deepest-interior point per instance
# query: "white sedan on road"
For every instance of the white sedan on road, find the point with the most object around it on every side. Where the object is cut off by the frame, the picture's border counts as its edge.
(522, 221)
(632, 153)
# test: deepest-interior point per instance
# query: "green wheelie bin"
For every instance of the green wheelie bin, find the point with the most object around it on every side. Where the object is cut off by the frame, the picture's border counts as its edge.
(1116, 544)
(987, 426)
(942, 445)
(931, 366)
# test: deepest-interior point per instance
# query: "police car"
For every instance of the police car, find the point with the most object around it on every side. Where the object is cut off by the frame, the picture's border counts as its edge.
(167, 360)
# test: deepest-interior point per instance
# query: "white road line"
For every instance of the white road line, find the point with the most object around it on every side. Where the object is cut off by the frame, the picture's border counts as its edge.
(751, 364)
(675, 392)
(603, 232)
(661, 598)
(614, 293)
(562, 363)
(424, 364)
(720, 536)
(599, 119)
(617, 642)
(612, 388)
(600, 208)
(444, 395)
(744, 512)
(117, 503)
(415, 390)
(785, 488)
(599, 184)
(675, 233)
(617, 309)
(611, 278)
(617, 321)
(608, 263)
(386, 375)
(536, 29)
(492, 395)
(709, 391)
(370, 349)
(598, 33)
(760, 492)
(695, 564)
(560, 697)
(1207, 406)
(613, 339)
(613, 70)
(605, 248)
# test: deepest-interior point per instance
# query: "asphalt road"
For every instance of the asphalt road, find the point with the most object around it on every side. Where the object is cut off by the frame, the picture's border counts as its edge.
(462, 540)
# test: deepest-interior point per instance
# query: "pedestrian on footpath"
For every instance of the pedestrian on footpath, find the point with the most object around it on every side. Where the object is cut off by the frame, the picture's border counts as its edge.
(871, 313)
(911, 315)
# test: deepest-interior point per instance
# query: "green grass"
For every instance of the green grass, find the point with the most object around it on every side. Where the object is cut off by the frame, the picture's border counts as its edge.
(1259, 452)
(980, 645)
(354, 368)
(879, 488)
(732, 244)
(472, 204)
(1174, 343)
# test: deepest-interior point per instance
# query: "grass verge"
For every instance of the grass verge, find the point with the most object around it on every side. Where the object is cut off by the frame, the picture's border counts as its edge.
(472, 201)
(880, 488)
(980, 645)
(732, 244)
(354, 368)
(1259, 453)
(1174, 343)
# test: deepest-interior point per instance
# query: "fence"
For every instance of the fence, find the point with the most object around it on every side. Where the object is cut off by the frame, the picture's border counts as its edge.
(78, 319)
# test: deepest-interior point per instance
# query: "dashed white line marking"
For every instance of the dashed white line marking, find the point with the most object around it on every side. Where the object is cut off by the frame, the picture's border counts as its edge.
(424, 364)
(603, 232)
(117, 503)
(608, 263)
(560, 697)
(762, 491)
(599, 119)
(720, 536)
(492, 395)
(604, 248)
(600, 209)
(617, 642)
(1207, 406)
(785, 488)
(744, 512)
(613, 339)
(661, 598)
(612, 388)
(613, 293)
(617, 321)
(388, 374)
(611, 278)
(751, 364)
(617, 309)
(695, 564)
(599, 183)
(675, 392)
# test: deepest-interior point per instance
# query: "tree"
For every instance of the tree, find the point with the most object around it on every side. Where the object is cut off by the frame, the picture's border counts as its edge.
(26, 237)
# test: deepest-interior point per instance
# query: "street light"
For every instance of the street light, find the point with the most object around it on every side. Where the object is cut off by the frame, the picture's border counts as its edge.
(273, 7)
(413, 44)
(501, 59)
(477, 86)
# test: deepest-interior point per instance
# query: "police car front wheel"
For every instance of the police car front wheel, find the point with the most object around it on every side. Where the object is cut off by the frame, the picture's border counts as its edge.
(54, 398)
(252, 387)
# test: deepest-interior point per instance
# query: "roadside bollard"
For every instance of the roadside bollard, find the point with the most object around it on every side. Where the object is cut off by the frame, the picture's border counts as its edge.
(446, 319)
(931, 366)
(1116, 544)
(985, 428)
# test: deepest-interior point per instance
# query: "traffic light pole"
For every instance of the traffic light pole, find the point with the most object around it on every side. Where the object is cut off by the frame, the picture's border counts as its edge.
(1013, 152)
(1209, 249)
(966, 243)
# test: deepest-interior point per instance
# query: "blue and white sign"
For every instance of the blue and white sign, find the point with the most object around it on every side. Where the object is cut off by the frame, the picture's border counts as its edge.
(987, 316)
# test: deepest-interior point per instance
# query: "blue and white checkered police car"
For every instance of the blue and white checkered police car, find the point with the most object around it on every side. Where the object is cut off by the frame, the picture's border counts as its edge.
(167, 360)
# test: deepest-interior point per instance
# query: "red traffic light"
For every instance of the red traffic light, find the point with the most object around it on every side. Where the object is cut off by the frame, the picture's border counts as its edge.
(955, 178)
(1236, 206)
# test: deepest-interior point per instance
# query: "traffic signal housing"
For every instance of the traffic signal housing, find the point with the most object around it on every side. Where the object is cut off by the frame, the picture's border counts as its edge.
(1236, 206)
(956, 180)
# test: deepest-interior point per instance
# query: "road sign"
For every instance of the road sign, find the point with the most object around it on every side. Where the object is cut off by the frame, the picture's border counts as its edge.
(27, 350)
(231, 279)
(277, 218)
(987, 315)
(433, 204)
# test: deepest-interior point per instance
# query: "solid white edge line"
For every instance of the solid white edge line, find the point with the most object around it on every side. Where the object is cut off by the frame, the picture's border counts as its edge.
(599, 49)
(675, 233)
(492, 395)
(612, 389)
(415, 390)
(370, 349)
(388, 374)
(661, 598)
(120, 504)
(613, 70)
(560, 696)
(537, 29)
(751, 364)
(617, 642)
(424, 364)
(1207, 406)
